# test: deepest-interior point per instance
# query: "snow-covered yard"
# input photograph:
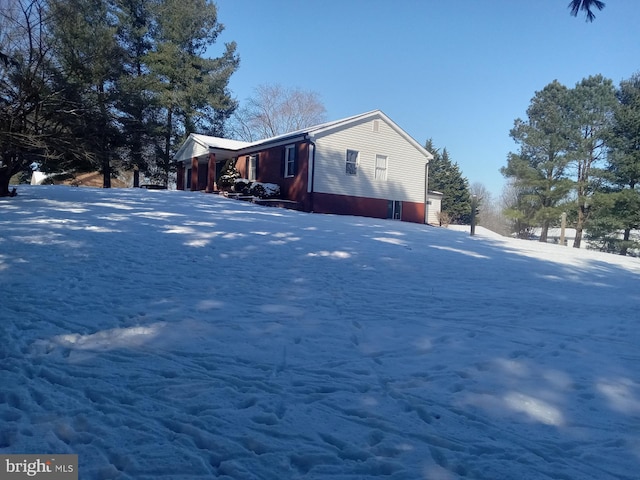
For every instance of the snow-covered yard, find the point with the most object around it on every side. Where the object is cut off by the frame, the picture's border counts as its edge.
(164, 334)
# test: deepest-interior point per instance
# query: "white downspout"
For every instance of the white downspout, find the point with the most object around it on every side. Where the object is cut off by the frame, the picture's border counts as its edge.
(311, 170)
(426, 193)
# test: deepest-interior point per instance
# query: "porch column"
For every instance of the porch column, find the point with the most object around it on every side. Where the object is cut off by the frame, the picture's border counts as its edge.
(211, 173)
(180, 179)
(194, 174)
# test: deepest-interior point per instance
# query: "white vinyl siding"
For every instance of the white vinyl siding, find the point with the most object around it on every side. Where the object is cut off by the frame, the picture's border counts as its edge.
(193, 149)
(405, 172)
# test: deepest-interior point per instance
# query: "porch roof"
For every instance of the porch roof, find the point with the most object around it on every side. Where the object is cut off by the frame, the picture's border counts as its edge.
(197, 145)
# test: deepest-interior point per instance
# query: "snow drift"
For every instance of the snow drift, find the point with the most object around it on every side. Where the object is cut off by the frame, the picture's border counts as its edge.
(163, 334)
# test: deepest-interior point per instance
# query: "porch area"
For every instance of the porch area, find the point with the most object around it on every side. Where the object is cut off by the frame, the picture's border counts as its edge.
(200, 160)
(200, 174)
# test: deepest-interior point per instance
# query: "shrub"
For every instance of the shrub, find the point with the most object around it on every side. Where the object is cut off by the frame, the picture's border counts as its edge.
(444, 219)
(228, 175)
(241, 185)
(256, 189)
(264, 190)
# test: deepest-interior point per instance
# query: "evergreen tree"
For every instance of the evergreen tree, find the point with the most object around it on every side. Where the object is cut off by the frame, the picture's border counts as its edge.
(538, 170)
(616, 214)
(445, 177)
(617, 206)
(592, 103)
(84, 35)
(86, 84)
(191, 90)
(136, 102)
(228, 175)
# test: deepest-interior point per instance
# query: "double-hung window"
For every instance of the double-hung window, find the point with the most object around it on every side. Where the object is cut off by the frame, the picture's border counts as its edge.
(289, 160)
(381, 167)
(352, 162)
(252, 168)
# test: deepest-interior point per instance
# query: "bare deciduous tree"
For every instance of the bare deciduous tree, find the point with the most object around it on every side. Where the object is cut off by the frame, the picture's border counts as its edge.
(27, 94)
(490, 211)
(275, 110)
(519, 210)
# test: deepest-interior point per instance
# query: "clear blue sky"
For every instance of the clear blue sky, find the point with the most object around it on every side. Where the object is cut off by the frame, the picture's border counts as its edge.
(457, 71)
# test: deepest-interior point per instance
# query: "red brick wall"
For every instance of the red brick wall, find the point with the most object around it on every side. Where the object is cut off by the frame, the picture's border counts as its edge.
(413, 212)
(271, 170)
(365, 207)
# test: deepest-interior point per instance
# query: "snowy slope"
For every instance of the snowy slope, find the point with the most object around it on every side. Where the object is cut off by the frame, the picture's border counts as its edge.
(164, 334)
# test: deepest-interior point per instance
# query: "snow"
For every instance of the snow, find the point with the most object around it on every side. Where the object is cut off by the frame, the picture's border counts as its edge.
(164, 334)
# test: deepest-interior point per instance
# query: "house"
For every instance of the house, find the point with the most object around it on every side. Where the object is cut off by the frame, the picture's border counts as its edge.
(363, 165)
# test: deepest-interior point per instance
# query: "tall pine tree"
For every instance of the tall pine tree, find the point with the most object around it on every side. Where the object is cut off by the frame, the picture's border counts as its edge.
(616, 208)
(592, 103)
(538, 169)
(136, 102)
(191, 90)
(84, 34)
(88, 84)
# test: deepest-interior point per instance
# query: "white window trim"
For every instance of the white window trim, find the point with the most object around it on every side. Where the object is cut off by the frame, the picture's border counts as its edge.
(252, 170)
(287, 150)
(354, 163)
(381, 177)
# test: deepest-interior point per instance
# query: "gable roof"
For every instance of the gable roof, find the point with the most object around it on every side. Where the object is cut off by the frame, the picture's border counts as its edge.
(328, 127)
(196, 142)
(218, 143)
